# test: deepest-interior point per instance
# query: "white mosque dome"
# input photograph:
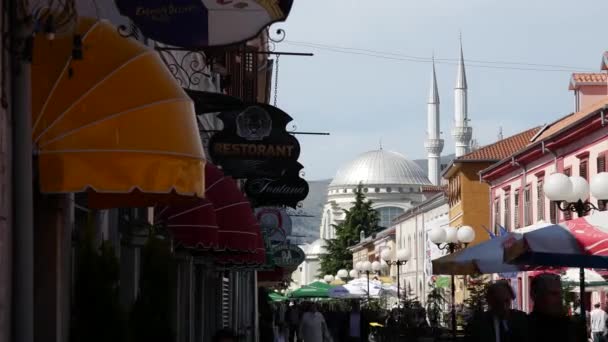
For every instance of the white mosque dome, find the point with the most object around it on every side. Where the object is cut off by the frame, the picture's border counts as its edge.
(317, 247)
(380, 167)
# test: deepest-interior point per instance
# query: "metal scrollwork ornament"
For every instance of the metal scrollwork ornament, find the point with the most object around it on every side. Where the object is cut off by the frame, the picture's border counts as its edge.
(189, 68)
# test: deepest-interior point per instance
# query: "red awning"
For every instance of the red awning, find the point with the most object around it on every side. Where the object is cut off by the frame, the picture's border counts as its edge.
(238, 228)
(255, 259)
(223, 221)
(192, 226)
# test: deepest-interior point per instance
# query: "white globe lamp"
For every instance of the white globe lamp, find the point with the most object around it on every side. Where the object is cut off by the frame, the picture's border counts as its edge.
(366, 266)
(437, 235)
(376, 266)
(359, 266)
(599, 186)
(466, 234)
(558, 187)
(386, 254)
(328, 278)
(353, 273)
(403, 255)
(383, 264)
(451, 235)
(342, 274)
(580, 189)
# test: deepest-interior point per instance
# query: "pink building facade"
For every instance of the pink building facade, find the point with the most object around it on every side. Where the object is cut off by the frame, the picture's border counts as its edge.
(576, 144)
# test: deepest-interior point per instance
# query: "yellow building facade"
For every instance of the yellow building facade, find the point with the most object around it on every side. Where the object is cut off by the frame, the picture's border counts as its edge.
(469, 198)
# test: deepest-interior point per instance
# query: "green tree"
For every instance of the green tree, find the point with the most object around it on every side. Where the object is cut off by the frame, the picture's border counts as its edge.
(435, 301)
(476, 302)
(360, 218)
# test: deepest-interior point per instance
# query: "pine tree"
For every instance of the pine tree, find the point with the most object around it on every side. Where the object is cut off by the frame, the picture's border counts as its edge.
(476, 302)
(360, 218)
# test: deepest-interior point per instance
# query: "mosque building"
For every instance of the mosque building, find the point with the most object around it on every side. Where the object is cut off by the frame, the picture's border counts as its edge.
(392, 182)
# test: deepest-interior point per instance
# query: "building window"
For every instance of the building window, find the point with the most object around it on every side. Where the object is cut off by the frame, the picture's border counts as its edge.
(387, 214)
(540, 200)
(365, 190)
(583, 169)
(567, 214)
(389, 190)
(527, 206)
(400, 189)
(507, 215)
(377, 190)
(411, 189)
(496, 214)
(516, 218)
(601, 163)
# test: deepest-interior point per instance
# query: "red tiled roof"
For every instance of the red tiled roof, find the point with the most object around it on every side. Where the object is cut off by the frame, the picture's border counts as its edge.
(587, 78)
(502, 148)
(570, 119)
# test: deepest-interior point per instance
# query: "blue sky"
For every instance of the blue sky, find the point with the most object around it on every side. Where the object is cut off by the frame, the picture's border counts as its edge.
(361, 99)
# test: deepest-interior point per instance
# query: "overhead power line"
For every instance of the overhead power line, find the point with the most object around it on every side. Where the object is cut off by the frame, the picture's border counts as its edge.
(450, 61)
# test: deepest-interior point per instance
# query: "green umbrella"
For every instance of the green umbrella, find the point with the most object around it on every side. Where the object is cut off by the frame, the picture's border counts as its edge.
(276, 297)
(308, 291)
(320, 285)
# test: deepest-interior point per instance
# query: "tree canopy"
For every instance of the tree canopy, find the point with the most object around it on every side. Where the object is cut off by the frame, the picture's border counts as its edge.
(361, 217)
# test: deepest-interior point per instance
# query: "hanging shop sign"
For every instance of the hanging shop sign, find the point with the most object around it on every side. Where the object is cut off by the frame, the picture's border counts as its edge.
(275, 224)
(196, 24)
(287, 190)
(287, 256)
(254, 142)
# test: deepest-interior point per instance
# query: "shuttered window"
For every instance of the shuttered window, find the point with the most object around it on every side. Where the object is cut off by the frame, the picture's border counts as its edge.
(601, 167)
(496, 214)
(507, 214)
(516, 219)
(540, 200)
(527, 206)
(225, 302)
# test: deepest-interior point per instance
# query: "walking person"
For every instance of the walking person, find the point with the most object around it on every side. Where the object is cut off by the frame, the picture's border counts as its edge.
(313, 327)
(293, 319)
(354, 324)
(500, 323)
(598, 323)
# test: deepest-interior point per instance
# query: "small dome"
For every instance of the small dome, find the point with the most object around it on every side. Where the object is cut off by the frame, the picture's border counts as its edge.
(317, 247)
(380, 167)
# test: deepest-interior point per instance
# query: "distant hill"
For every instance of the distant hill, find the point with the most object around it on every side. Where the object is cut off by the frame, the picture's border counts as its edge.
(306, 229)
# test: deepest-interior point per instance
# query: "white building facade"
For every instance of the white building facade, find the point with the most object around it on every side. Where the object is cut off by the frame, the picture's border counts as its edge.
(411, 231)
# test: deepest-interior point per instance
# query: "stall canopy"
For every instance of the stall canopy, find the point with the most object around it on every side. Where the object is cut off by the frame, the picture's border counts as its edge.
(192, 226)
(108, 117)
(582, 242)
(486, 257)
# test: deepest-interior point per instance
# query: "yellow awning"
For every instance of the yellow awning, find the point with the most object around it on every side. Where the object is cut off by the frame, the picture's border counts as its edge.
(114, 121)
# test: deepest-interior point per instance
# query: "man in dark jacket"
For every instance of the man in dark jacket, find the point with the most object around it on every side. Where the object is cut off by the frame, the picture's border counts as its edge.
(500, 323)
(548, 321)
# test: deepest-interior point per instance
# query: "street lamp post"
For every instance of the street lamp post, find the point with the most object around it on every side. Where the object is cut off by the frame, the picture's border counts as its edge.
(402, 257)
(572, 194)
(452, 240)
(365, 267)
(328, 278)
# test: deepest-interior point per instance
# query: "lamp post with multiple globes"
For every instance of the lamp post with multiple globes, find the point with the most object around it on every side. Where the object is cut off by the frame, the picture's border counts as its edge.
(366, 267)
(572, 195)
(452, 240)
(328, 278)
(402, 257)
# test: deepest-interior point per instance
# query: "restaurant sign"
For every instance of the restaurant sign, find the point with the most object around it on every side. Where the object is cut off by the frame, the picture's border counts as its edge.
(254, 142)
(288, 256)
(203, 23)
(288, 190)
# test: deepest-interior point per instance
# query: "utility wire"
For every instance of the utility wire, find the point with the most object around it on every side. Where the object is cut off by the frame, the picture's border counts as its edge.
(449, 61)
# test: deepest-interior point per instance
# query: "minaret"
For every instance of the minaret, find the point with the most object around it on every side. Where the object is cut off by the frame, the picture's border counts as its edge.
(462, 132)
(434, 143)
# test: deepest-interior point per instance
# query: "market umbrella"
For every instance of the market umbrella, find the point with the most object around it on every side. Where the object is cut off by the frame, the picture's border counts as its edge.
(572, 276)
(486, 257)
(307, 291)
(276, 297)
(320, 285)
(108, 117)
(582, 242)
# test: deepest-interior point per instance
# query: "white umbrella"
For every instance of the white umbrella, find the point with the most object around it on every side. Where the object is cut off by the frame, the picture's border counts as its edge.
(573, 275)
